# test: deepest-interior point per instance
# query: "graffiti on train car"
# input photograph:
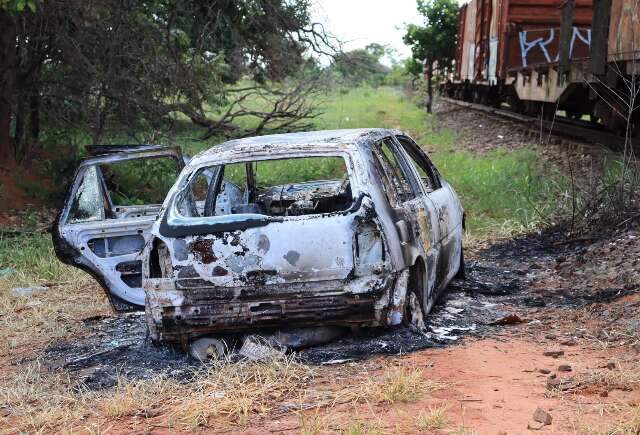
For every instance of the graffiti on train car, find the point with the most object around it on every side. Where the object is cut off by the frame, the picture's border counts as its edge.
(542, 46)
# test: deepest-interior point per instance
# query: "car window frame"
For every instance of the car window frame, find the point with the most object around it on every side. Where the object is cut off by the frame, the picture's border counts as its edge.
(184, 183)
(408, 173)
(413, 154)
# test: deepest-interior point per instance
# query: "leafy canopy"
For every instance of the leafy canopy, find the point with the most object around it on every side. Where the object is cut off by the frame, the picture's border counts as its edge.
(436, 39)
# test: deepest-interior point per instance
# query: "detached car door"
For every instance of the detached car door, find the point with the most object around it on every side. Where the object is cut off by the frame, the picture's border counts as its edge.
(112, 202)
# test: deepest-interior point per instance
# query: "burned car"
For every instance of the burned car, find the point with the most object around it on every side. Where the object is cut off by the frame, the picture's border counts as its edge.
(344, 227)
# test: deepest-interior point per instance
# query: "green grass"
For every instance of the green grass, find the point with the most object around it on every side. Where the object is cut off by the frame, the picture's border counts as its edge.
(31, 259)
(502, 192)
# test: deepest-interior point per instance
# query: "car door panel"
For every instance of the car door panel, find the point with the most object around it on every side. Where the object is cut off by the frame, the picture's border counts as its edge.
(419, 214)
(105, 239)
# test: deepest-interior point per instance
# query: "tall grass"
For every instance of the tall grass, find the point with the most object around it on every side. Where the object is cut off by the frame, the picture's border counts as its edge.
(28, 260)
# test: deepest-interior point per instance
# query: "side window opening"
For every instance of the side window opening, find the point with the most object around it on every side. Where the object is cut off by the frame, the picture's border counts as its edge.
(87, 203)
(395, 174)
(139, 181)
(421, 164)
(122, 189)
(282, 187)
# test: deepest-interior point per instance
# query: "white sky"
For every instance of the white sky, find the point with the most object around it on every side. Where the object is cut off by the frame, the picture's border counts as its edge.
(361, 22)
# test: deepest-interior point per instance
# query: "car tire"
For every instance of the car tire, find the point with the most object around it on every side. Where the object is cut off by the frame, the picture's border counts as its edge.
(462, 273)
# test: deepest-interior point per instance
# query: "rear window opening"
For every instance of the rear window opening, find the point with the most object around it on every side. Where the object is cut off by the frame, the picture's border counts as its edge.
(283, 187)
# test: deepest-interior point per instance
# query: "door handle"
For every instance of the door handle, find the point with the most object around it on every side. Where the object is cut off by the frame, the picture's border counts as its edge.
(403, 230)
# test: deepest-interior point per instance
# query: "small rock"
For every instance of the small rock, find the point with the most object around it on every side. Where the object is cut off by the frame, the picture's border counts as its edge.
(550, 337)
(570, 342)
(604, 393)
(535, 266)
(28, 291)
(611, 365)
(542, 416)
(553, 383)
(554, 353)
(564, 368)
(545, 371)
(534, 426)
(510, 319)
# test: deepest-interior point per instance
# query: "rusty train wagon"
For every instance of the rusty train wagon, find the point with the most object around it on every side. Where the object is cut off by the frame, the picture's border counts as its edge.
(544, 56)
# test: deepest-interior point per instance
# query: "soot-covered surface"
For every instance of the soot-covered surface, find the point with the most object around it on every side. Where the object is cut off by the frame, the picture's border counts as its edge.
(504, 280)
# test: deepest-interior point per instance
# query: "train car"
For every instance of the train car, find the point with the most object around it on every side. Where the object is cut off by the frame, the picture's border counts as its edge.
(545, 56)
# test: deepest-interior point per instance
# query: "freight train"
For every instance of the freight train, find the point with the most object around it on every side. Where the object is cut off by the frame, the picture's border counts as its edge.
(576, 58)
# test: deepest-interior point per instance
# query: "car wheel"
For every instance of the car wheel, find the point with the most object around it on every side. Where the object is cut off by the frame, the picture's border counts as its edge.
(461, 274)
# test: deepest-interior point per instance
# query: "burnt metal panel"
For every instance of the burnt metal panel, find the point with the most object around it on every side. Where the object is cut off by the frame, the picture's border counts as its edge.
(624, 31)
(462, 16)
(532, 32)
(483, 26)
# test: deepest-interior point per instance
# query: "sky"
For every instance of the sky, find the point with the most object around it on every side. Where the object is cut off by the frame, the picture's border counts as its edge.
(361, 22)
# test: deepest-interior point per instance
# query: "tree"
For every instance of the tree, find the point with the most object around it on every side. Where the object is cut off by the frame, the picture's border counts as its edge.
(434, 41)
(9, 9)
(131, 66)
(361, 65)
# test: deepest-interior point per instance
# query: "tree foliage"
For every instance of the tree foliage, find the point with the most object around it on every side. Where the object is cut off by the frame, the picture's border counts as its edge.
(361, 65)
(436, 39)
(132, 66)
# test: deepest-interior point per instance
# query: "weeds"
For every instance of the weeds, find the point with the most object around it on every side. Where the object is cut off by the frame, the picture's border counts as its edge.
(36, 401)
(237, 391)
(434, 419)
(359, 427)
(395, 384)
(141, 397)
(311, 423)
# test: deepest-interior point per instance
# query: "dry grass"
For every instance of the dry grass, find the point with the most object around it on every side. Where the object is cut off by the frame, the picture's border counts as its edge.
(219, 395)
(434, 419)
(360, 427)
(52, 315)
(141, 397)
(237, 391)
(625, 376)
(35, 401)
(398, 384)
(311, 423)
(629, 425)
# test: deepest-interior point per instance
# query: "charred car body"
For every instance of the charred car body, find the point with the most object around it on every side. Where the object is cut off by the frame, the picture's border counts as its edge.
(302, 229)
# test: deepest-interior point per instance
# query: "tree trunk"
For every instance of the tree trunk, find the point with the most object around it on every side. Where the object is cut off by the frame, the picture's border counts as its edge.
(7, 81)
(429, 86)
(34, 116)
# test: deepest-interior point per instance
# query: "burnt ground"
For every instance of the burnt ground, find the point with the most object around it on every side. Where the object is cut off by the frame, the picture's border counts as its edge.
(530, 281)
(541, 285)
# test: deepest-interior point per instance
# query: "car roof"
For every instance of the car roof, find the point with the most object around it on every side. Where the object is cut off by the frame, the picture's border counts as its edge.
(322, 141)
